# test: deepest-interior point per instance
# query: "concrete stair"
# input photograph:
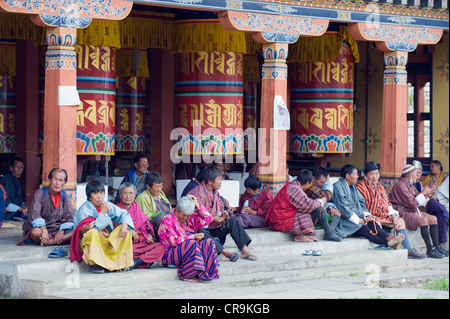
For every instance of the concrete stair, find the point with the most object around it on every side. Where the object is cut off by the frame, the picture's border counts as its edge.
(26, 272)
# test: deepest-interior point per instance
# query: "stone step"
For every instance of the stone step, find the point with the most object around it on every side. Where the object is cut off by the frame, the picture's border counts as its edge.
(39, 286)
(223, 288)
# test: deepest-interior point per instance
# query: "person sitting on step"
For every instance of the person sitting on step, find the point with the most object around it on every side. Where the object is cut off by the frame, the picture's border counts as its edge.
(102, 236)
(356, 218)
(50, 214)
(292, 211)
(407, 202)
(253, 204)
(377, 202)
(189, 250)
(321, 187)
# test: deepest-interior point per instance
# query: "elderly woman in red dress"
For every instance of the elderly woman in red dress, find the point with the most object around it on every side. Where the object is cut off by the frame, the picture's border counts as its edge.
(146, 252)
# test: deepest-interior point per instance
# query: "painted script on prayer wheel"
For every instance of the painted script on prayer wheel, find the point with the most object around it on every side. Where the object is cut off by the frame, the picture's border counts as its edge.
(130, 114)
(209, 101)
(7, 114)
(96, 85)
(322, 105)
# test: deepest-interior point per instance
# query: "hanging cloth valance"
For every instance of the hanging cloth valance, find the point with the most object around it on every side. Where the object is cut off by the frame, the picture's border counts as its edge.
(100, 33)
(206, 35)
(8, 58)
(147, 30)
(132, 62)
(251, 68)
(19, 27)
(323, 48)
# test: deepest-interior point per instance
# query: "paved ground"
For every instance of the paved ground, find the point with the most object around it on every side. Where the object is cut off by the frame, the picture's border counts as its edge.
(365, 284)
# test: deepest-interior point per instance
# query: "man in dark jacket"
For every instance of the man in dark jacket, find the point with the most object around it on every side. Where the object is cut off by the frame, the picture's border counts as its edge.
(136, 175)
(15, 208)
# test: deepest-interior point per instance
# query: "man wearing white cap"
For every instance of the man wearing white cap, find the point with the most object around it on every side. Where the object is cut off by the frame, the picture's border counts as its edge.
(403, 200)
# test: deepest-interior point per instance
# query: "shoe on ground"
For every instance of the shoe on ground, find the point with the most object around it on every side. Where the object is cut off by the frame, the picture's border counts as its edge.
(95, 269)
(434, 253)
(442, 251)
(414, 254)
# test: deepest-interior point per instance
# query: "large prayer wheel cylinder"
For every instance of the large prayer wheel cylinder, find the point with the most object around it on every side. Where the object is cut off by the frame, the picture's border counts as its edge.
(96, 85)
(130, 114)
(7, 114)
(322, 105)
(7, 97)
(209, 100)
(250, 114)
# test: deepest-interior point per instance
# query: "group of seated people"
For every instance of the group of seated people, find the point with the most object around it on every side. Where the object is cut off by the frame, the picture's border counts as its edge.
(142, 229)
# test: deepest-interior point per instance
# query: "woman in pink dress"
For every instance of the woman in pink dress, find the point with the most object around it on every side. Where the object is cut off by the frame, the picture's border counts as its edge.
(146, 252)
(187, 249)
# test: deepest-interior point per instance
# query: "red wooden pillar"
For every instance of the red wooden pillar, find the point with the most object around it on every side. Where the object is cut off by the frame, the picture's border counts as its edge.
(60, 103)
(161, 114)
(27, 114)
(272, 143)
(394, 136)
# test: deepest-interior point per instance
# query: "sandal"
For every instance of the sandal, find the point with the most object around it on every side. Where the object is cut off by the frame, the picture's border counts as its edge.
(308, 252)
(57, 253)
(317, 253)
(235, 257)
(248, 257)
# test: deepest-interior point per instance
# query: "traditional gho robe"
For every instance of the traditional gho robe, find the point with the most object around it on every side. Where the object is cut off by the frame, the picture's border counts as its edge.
(148, 253)
(290, 211)
(110, 252)
(351, 205)
(193, 258)
(376, 199)
(54, 212)
(403, 200)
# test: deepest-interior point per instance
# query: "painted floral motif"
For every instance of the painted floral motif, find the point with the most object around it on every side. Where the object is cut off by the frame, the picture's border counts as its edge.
(211, 144)
(91, 143)
(443, 141)
(70, 13)
(321, 144)
(444, 67)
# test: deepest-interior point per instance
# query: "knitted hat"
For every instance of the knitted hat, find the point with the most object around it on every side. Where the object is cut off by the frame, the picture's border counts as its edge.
(408, 169)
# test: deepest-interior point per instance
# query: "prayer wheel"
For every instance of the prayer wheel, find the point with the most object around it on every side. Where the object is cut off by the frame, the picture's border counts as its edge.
(7, 98)
(132, 73)
(209, 100)
(130, 114)
(96, 85)
(322, 105)
(249, 114)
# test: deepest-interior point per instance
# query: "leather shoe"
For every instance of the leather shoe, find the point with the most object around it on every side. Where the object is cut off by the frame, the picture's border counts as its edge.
(414, 254)
(442, 251)
(434, 253)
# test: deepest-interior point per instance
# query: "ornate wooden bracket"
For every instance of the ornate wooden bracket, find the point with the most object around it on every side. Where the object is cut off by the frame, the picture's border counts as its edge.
(68, 13)
(268, 28)
(394, 37)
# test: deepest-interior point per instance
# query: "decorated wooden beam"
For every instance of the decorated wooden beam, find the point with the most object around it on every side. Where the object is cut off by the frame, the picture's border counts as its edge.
(68, 13)
(269, 28)
(395, 38)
